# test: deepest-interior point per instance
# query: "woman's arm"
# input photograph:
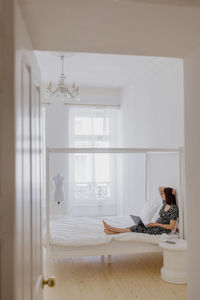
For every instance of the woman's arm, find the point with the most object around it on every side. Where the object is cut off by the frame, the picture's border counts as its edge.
(161, 191)
(170, 226)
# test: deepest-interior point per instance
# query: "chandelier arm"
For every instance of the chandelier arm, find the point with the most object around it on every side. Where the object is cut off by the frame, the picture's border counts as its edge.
(51, 90)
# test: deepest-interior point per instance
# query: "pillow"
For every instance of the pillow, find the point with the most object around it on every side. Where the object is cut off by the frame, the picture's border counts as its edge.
(173, 231)
(156, 215)
(149, 209)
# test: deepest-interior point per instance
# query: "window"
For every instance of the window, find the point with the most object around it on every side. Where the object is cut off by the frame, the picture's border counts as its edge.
(92, 176)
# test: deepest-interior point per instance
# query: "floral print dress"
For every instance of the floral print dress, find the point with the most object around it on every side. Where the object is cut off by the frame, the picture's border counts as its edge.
(165, 217)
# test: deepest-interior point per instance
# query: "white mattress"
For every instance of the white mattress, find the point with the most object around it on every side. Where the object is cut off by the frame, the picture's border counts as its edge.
(89, 231)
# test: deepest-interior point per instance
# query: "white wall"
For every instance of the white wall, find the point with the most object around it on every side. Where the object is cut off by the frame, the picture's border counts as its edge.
(121, 27)
(152, 109)
(152, 116)
(57, 132)
(192, 167)
(56, 137)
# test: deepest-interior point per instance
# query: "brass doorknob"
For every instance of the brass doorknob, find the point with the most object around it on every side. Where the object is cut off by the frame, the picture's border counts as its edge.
(51, 281)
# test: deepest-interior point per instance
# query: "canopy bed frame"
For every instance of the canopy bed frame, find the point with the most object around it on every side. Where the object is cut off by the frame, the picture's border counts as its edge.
(113, 247)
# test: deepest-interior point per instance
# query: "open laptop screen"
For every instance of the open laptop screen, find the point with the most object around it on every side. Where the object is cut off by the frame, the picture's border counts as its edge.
(137, 220)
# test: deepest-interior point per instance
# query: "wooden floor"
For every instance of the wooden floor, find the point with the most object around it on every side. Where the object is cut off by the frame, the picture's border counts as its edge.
(128, 277)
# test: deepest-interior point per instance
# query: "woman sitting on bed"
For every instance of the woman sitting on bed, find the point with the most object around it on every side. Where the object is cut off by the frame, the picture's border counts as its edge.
(164, 224)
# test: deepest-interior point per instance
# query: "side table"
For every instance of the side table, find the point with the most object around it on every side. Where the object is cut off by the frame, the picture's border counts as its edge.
(174, 268)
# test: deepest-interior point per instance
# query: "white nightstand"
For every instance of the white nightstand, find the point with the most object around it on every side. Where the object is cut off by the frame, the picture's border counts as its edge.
(174, 268)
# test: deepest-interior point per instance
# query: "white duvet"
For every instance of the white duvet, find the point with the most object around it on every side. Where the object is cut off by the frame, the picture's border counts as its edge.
(89, 231)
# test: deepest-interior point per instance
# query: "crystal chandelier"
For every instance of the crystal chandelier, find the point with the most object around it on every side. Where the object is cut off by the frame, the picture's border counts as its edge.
(62, 90)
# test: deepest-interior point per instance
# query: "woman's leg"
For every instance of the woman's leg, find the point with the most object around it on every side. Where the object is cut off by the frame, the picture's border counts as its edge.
(115, 229)
(109, 231)
(115, 232)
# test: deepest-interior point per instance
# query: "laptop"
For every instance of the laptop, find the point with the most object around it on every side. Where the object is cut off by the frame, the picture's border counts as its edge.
(137, 220)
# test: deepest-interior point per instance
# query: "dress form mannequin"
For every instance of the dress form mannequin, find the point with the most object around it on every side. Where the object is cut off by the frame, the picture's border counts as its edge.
(58, 192)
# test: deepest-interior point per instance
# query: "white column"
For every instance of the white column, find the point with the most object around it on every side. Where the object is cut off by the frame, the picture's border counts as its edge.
(192, 167)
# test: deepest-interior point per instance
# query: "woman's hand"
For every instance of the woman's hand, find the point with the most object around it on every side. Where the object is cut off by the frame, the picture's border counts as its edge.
(174, 192)
(151, 225)
(161, 190)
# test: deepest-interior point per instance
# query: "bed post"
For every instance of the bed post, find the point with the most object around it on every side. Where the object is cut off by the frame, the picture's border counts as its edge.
(180, 195)
(146, 175)
(109, 260)
(102, 258)
(47, 198)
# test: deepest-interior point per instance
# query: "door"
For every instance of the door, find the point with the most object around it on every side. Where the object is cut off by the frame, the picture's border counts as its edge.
(29, 190)
(29, 183)
(21, 188)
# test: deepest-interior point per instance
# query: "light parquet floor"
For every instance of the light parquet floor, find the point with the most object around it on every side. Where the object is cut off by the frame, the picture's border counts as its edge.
(128, 277)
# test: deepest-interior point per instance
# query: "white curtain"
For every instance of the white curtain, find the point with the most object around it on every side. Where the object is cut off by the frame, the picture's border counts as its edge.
(93, 179)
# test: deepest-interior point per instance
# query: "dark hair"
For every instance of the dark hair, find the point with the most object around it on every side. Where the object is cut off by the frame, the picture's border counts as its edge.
(170, 198)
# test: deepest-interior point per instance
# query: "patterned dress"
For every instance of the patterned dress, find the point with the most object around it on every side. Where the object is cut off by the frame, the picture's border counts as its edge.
(165, 217)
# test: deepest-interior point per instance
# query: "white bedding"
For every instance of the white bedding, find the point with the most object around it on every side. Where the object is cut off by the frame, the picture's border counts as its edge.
(89, 231)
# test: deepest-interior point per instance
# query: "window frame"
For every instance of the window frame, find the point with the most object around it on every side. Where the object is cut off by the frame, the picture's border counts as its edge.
(90, 139)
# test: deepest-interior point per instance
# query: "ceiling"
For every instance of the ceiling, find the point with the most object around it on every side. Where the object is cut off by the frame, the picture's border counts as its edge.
(114, 26)
(98, 70)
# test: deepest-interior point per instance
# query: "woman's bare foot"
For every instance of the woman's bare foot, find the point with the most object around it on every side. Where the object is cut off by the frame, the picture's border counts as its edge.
(109, 231)
(106, 226)
(114, 230)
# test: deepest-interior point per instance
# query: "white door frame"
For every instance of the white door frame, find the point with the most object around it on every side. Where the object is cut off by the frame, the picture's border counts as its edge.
(20, 160)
